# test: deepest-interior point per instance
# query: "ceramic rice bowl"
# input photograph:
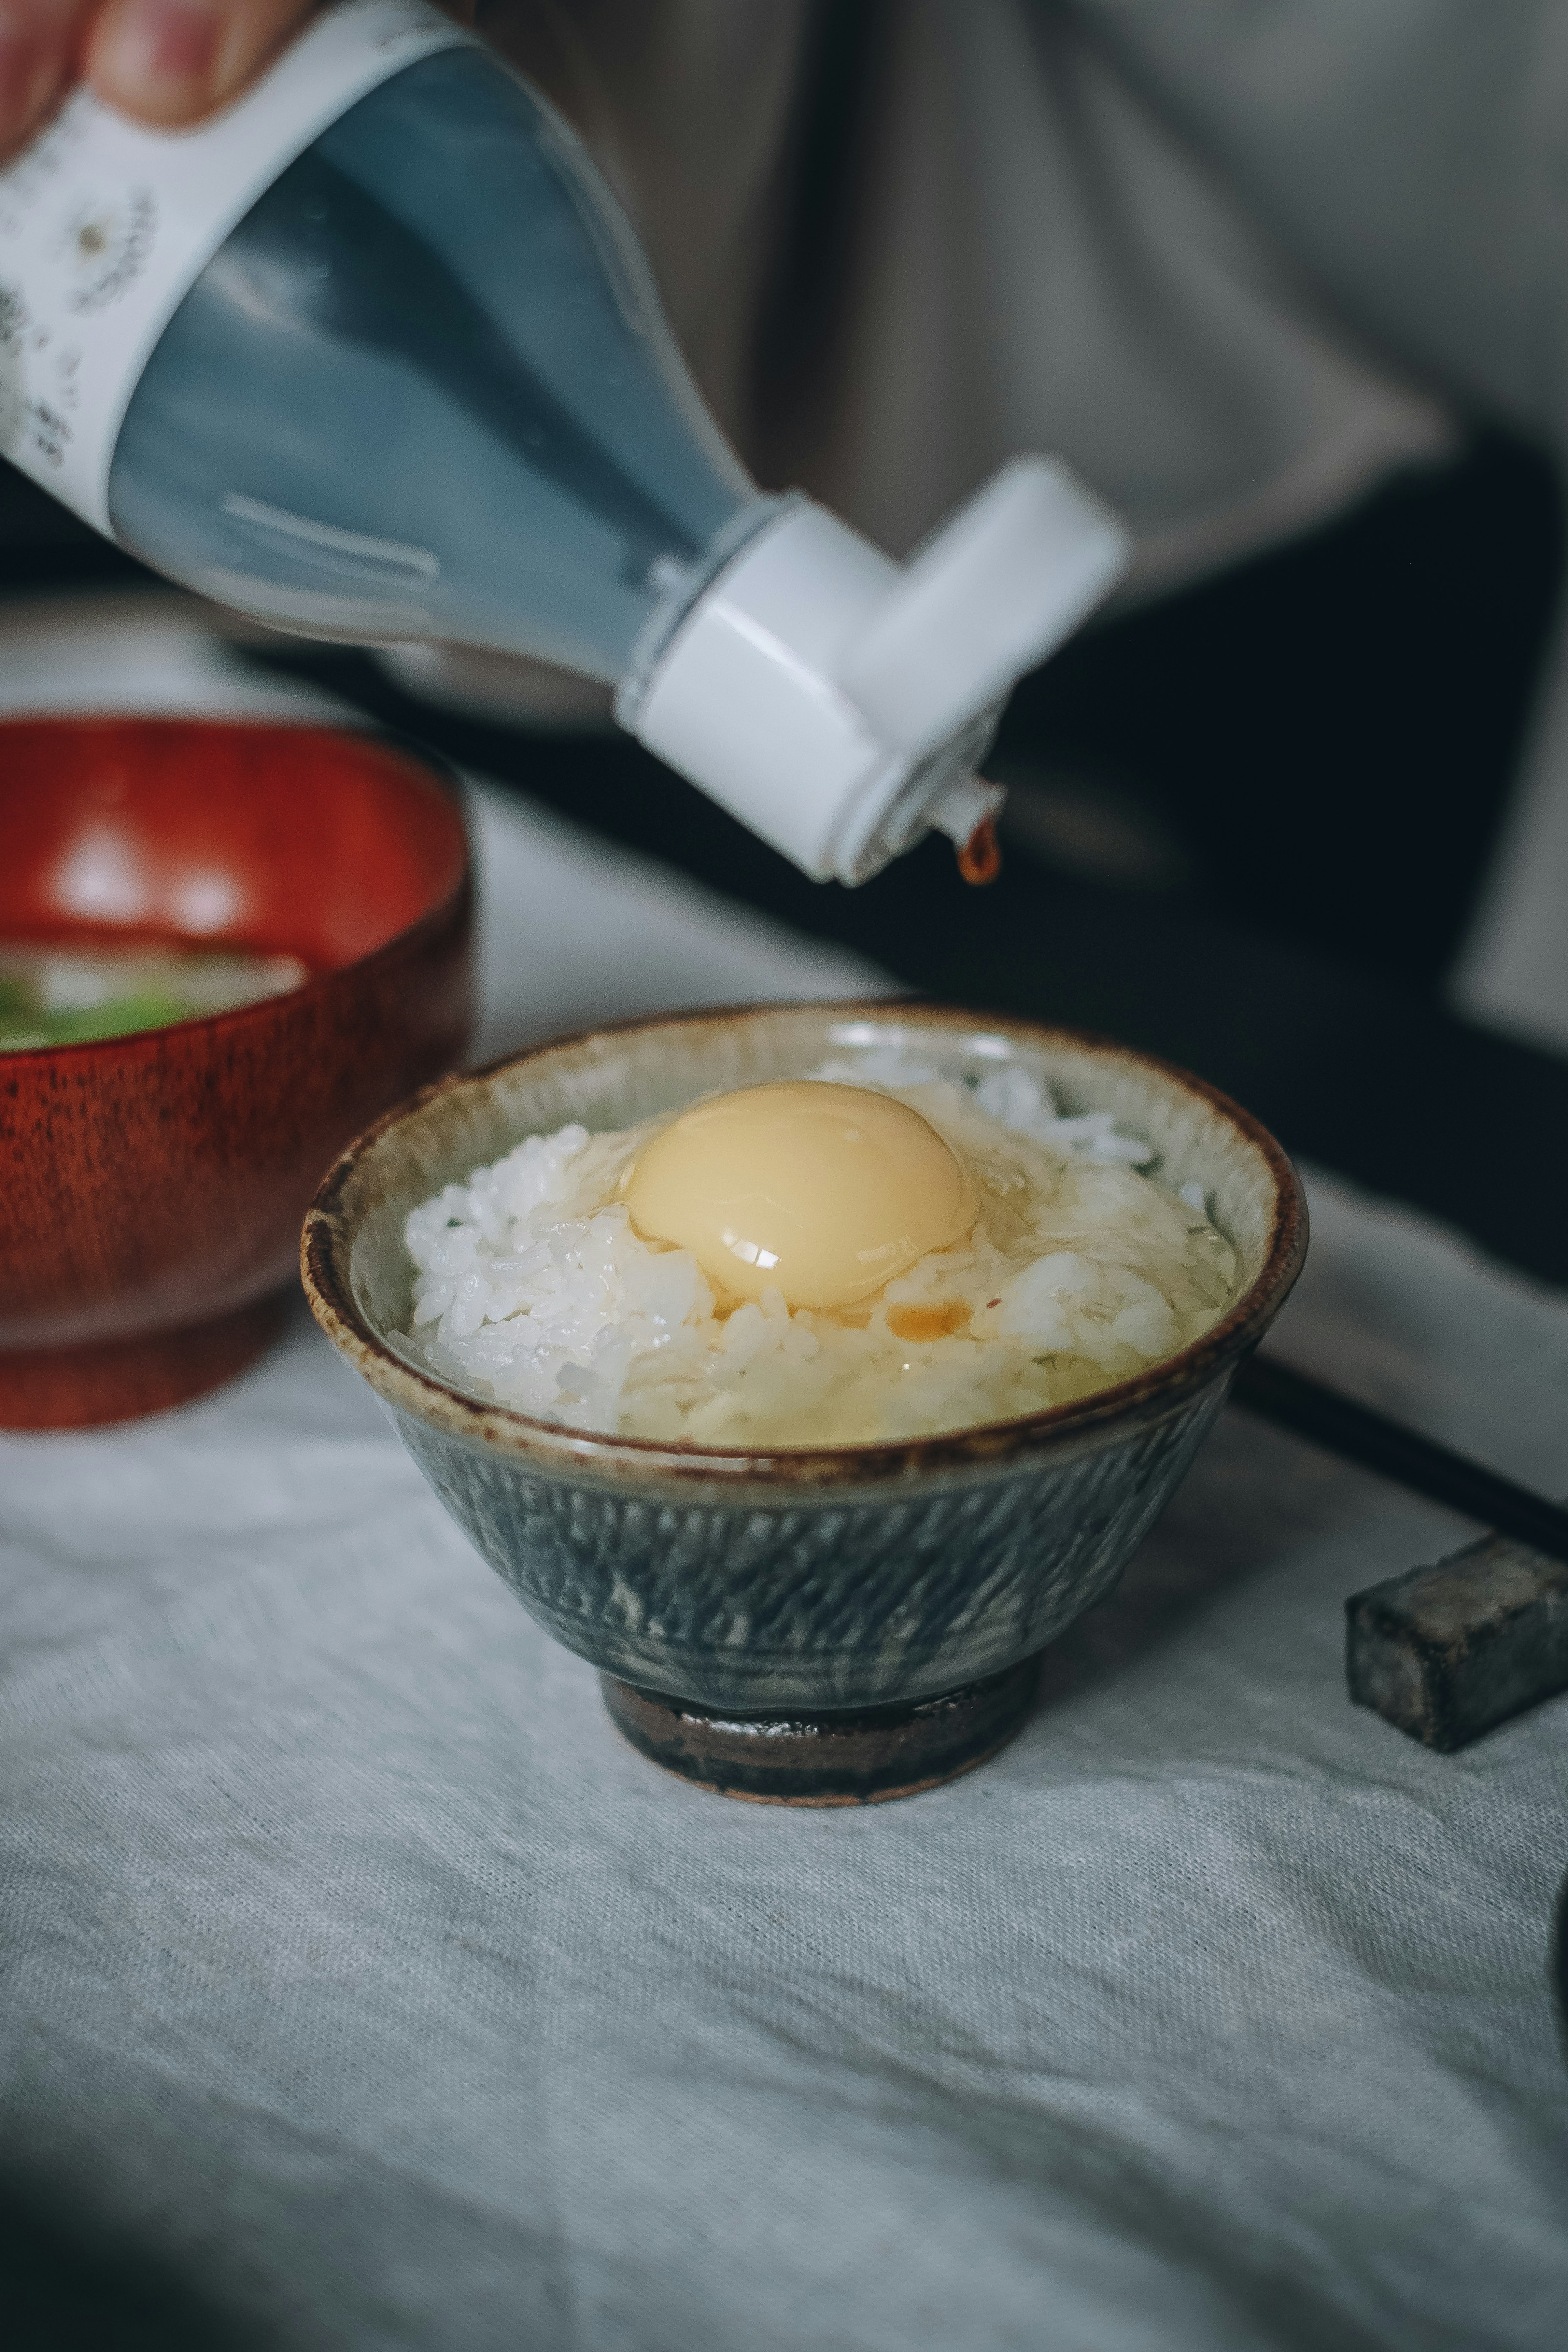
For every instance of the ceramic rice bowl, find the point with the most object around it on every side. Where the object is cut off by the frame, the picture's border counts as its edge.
(739, 1600)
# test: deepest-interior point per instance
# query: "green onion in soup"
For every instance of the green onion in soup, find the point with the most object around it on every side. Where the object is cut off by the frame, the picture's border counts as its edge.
(73, 995)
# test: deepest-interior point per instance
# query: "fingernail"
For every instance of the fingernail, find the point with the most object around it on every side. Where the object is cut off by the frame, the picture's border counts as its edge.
(161, 52)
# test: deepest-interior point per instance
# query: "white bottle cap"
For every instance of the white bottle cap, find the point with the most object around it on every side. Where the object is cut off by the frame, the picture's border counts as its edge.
(837, 702)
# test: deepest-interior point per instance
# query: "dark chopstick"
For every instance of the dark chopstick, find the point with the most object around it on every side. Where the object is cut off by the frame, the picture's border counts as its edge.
(1310, 1410)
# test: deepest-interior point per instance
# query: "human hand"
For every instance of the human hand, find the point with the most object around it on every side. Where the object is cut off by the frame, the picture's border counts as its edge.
(164, 61)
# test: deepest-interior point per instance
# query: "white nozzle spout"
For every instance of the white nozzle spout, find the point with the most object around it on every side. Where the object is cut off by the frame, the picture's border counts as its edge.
(961, 808)
(997, 589)
(837, 704)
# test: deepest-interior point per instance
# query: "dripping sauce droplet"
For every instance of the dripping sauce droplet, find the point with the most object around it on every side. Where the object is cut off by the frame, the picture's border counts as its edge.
(980, 859)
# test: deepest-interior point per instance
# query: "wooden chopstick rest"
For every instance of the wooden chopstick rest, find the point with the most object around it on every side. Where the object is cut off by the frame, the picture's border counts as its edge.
(1447, 1652)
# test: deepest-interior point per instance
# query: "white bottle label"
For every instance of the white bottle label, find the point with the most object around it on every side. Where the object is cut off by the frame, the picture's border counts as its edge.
(106, 226)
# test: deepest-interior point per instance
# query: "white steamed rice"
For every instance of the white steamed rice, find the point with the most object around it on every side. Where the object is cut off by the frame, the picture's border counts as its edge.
(533, 1288)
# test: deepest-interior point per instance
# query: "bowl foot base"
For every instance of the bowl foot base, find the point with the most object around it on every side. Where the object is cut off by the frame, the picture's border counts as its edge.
(861, 1757)
(117, 1379)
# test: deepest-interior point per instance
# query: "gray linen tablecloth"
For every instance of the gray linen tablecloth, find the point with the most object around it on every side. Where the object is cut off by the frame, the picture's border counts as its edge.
(356, 1973)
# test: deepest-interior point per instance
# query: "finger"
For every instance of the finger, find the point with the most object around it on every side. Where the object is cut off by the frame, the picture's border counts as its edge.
(38, 42)
(172, 62)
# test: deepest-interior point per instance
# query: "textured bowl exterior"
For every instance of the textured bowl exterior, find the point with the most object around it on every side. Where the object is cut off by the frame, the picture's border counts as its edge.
(830, 1578)
(762, 1602)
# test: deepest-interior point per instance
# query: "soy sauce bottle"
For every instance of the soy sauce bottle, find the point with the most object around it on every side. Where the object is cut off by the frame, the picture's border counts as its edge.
(375, 357)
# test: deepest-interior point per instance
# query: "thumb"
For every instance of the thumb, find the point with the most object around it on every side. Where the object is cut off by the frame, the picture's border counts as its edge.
(174, 61)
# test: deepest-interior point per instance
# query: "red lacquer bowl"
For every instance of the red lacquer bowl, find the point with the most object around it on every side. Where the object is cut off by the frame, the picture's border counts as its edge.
(152, 1187)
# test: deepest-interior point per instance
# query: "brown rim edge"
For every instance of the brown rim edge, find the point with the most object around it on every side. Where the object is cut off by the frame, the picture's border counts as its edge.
(323, 1267)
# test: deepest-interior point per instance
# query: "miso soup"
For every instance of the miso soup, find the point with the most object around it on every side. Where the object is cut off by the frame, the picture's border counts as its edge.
(69, 996)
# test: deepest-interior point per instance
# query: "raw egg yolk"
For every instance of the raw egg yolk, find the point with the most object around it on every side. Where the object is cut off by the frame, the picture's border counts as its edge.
(821, 1191)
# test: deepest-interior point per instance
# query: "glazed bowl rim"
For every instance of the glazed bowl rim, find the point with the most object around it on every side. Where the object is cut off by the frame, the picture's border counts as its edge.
(446, 780)
(326, 1246)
